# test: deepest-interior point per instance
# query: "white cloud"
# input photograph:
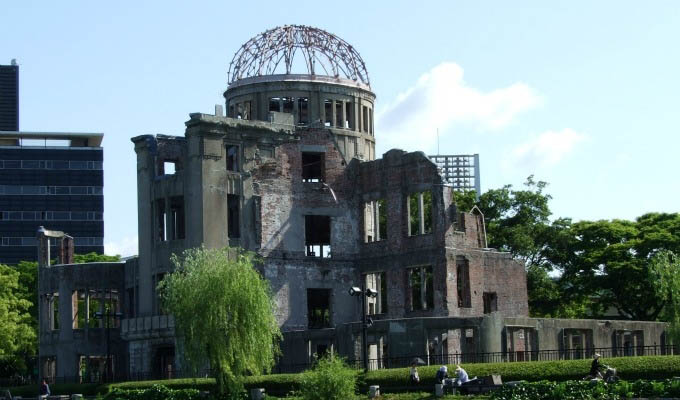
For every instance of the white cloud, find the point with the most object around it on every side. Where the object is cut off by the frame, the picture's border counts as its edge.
(439, 99)
(544, 150)
(127, 246)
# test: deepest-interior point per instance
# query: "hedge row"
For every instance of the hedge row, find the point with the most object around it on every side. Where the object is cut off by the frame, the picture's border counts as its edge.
(628, 368)
(669, 388)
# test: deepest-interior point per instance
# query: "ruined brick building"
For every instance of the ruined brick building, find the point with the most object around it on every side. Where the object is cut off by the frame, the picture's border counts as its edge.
(291, 173)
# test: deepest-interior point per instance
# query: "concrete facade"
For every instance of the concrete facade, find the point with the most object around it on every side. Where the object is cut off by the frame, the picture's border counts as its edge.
(291, 173)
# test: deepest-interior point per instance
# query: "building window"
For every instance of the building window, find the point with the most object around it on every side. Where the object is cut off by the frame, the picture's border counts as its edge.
(375, 221)
(490, 302)
(364, 117)
(318, 308)
(419, 213)
(53, 311)
(169, 167)
(275, 104)
(312, 167)
(303, 110)
(328, 112)
(161, 229)
(233, 220)
(339, 120)
(349, 124)
(79, 310)
(421, 289)
(318, 236)
(287, 103)
(232, 158)
(177, 217)
(463, 282)
(377, 282)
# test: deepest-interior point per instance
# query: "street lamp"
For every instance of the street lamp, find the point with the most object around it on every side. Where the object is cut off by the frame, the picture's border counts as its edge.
(365, 322)
(107, 315)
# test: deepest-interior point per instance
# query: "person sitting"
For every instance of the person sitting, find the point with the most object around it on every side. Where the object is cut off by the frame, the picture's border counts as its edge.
(461, 376)
(441, 374)
(595, 367)
(413, 376)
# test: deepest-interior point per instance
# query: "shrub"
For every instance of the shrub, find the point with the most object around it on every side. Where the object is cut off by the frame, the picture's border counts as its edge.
(330, 379)
(588, 390)
(155, 392)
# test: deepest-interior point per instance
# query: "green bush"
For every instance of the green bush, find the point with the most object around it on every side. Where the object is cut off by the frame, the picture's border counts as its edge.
(155, 392)
(588, 390)
(330, 379)
(86, 389)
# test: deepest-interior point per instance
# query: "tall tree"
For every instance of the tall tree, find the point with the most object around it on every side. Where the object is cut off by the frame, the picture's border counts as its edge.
(224, 314)
(16, 333)
(665, 275)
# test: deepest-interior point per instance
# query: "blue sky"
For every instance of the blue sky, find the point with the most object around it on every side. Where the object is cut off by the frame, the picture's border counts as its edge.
(585, 95)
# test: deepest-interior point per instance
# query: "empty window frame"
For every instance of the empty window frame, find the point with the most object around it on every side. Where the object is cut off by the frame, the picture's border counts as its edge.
(233, 216)
(287, 104)
(303, 111)
(420, 213)
(375, 221)
(313, 167)
(318, 236)
(463, 282)
(339, 115)
(232, 157)
(242, 110)
(161, 228)
(318, 308)
(328, 112)
(52, 302)
(177, 217)
(349, 123)
(79, 309)
(364, 118)
(490, 302)
(370, 121)
(275, 104)
(377, 282)
(169, 167)
(421, 288)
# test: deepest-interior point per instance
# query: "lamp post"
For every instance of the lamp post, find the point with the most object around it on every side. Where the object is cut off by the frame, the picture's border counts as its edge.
(107, 314)
(365, 322)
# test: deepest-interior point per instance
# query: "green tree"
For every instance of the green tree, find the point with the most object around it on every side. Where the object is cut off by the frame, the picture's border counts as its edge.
(665, 275)
(224, 314)
(16, 333)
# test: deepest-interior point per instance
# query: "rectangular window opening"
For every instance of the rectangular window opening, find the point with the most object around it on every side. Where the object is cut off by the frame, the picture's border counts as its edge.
(375, 221)
(348, 116)
(364, 115)
(288, 104)
(169, 167)
(161, 228)
(318, 308)
(421, 288)
(313, 167)
(490, 302)
(275, 104)
(328, 112)
(177, 217)
(233, 216)
(232, 158)
(463, 282)
(378, 304)
(318, 236)
(420, 213)
(303, 110)
(339, 120)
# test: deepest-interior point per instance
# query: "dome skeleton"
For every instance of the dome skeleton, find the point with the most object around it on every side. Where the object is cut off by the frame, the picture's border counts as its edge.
(277, 48)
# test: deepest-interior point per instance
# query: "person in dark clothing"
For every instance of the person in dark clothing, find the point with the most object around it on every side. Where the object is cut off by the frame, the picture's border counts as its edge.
(595, 367)
(44, 388)
(441, 374)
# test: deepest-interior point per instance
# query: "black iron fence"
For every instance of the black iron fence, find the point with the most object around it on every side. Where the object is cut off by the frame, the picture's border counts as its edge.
(381, 363)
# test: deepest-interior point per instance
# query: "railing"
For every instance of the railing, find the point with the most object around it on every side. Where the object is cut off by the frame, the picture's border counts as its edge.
(387, 362)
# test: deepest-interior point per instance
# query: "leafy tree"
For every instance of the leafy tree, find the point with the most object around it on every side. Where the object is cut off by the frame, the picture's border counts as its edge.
(224, 314)
(610, 260)
(16, 334)
(665, 275)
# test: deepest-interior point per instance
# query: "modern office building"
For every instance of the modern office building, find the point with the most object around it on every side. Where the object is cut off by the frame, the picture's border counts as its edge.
(51, 179)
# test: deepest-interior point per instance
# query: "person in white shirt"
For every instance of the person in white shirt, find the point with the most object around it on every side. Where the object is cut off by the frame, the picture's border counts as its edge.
(414, 378)
(461, 376)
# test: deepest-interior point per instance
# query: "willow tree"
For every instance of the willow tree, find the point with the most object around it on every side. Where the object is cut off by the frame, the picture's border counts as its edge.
(224, 314)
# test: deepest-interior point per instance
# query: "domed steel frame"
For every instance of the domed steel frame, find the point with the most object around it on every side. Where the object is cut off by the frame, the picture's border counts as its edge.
(271, 51)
